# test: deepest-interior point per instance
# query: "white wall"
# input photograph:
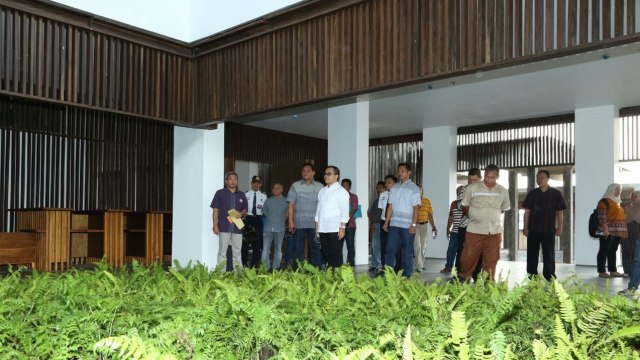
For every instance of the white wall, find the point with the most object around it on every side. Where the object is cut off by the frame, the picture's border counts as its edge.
(185, 20)
(348, 149)
(246, 170)
(596, 139)
(198, 173)
(439, 181)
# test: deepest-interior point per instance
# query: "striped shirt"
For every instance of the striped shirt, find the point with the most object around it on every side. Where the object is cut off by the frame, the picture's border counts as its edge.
(404, 197)
(456, 216)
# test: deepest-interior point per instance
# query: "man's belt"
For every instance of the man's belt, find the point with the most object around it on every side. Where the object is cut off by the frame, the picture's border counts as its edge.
(422, 223)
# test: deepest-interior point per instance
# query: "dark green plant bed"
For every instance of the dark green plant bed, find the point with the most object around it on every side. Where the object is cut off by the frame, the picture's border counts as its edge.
(193, 313)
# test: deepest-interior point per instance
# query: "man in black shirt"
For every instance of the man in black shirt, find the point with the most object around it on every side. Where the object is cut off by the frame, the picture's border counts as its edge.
(542, 223)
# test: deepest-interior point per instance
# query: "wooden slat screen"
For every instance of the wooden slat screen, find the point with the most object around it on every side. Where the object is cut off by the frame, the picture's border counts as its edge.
(630, 139)
(542, 142)
(385, 157)
(250, 143)
(61, 62)
(372, 45)
(56, 156)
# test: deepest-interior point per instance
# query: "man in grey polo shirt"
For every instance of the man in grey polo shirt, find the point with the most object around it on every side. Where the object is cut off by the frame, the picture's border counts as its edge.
(303, 202)
(401, 218)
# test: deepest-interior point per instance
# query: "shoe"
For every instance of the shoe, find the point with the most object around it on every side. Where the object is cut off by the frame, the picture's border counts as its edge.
(627, 291)
(373, 269)
(604, 275)
(424, 268)
(626, 275)
(418, 269)
(446, 270)
(615, 274)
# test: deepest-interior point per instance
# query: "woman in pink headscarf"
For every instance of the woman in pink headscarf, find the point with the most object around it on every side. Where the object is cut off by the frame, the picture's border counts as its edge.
(613, 226)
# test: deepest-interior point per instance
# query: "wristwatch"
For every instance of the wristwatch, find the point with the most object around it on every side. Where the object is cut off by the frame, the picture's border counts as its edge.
(342, 227)
(413, 224)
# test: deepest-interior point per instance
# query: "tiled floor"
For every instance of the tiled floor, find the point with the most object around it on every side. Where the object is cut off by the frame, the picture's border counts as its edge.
(515, 272)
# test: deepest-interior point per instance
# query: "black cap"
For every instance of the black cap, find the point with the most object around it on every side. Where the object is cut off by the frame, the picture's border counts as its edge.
(256, 178)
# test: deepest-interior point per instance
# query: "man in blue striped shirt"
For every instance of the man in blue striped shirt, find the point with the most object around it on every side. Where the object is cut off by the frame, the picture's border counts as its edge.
(401, 218)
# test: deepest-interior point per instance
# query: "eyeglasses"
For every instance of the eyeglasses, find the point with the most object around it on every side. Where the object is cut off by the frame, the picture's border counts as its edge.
(328, 174)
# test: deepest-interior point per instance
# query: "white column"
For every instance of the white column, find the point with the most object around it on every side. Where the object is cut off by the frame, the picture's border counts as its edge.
(439, 180)
(348, 149)
(596, 139)
(198, 158)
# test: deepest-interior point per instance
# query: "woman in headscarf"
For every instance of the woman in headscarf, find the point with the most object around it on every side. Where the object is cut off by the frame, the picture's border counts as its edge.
(613, 227)
(633, 226)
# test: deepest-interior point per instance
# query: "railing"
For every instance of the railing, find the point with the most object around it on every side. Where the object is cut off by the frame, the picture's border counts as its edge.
(72, 62)
(377, 44)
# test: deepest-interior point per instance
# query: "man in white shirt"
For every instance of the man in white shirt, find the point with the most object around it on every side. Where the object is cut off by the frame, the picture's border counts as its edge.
(255, 202)
(331, 218)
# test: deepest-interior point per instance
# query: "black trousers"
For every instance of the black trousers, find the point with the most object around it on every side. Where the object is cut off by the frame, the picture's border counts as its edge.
(548, 242)
(607, 253)
(462, 231)
(350, 237)
(331, 248)
(384, 236)
(256, 244)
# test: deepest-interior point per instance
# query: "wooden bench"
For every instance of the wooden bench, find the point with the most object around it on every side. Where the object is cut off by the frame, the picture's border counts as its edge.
(18, 248)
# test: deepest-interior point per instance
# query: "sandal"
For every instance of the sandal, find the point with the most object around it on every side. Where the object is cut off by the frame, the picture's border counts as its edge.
(604, 275)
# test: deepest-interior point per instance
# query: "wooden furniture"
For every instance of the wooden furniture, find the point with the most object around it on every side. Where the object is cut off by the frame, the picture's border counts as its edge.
(145, 234)
(98, 234)
(18, 248)
(51, 228)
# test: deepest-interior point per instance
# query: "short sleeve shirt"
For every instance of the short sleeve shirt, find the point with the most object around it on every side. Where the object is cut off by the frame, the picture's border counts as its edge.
(353, 206)
(542, 206)
(305, 198)
(225, 200)
(424, 210)
(383, 200)
(404, 197)
(486, 207)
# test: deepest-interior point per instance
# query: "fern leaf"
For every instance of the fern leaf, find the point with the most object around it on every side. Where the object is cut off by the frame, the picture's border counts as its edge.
(540, 350)
(567, 309)
(407, 353)
(498, 345)
(458, 328)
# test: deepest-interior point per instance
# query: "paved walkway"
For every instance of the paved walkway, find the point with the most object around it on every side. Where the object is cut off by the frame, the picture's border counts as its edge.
(515, 272)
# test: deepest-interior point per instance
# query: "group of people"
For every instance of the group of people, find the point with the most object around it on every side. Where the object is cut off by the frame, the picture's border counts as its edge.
(619, 226)
(324, 217)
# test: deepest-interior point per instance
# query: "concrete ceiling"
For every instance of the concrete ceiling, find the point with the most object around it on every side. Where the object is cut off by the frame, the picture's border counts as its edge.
(551, 87)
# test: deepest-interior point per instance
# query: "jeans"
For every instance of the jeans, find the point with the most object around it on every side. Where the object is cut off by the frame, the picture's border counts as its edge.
(315, 254)
(331, 249)
(607, 253)
(256, 243)
(268, 238)
(452, 250)
(634, 280)
(375, 246)
(235, 240)
(400, 237)
(548, 242)
(350, 237)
